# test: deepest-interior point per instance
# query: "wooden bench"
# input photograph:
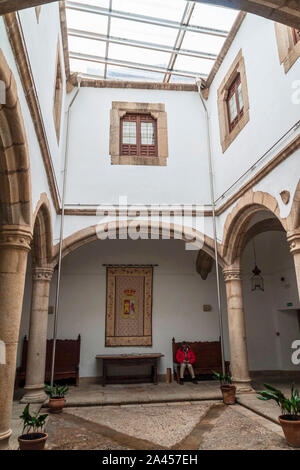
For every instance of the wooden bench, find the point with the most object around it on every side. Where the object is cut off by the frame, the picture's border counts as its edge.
(208, 357)
(67, 358)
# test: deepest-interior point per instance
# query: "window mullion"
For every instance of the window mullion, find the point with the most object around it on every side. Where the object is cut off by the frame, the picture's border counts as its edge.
(236, 94)
(138, 135)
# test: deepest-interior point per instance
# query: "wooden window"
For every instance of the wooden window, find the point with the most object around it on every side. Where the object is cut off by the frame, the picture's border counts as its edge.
(296, 35)
(235, 104)
(138, 135)
(288, 42)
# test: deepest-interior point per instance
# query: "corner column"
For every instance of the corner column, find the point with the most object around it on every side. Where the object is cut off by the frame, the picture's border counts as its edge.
(237, 329)
(293, 239)
(37, 342)
(14, 248)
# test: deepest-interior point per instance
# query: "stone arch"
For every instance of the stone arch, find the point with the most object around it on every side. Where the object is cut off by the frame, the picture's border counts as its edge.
(89, 234)
(42, 233)
(283, 11)
(266, 225)
(15, 192)
(236, 224)
(293, 218)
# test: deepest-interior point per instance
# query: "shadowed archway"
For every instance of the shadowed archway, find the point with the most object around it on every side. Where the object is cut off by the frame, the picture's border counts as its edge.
(42, 233)
(117, 228)
(235, 233)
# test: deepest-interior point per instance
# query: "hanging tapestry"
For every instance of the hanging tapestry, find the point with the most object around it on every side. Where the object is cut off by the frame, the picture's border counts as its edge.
(129, 306)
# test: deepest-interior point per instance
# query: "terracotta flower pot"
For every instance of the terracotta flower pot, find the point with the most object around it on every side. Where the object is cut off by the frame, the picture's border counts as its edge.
(291, 429)
(228, 392)
(33, 441)
(56, 404)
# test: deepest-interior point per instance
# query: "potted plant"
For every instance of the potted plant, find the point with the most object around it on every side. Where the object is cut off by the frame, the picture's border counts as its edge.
(57, 395)
(290, 409)
(33, 437)
(228, 390)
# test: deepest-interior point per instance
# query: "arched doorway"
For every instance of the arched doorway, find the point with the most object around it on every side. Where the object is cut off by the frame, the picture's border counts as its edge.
(35, 309)
(82, 306)
(256, 219)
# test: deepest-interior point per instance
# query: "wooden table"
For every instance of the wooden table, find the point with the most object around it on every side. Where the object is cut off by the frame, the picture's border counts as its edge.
(150, 359)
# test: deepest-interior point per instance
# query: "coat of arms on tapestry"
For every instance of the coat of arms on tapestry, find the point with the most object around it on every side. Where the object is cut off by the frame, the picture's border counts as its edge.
(129, 306)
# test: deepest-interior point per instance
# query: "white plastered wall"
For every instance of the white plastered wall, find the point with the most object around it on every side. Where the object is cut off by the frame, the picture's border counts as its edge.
(39, 181)
(274, 109)
(94, 180)
(42, 38)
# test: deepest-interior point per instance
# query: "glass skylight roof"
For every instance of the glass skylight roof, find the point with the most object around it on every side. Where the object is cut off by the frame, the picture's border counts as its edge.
(146, 40)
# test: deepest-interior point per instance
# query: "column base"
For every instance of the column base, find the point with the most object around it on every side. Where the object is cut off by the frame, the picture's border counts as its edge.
(4, 439)
(243, 386)
(34, 394)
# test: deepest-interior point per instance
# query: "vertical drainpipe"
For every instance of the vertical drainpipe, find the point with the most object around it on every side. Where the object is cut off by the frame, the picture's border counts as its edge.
(212, 197)
(62, 228)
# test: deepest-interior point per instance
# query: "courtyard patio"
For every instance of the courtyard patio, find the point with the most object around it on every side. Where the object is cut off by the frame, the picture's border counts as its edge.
(163, 416)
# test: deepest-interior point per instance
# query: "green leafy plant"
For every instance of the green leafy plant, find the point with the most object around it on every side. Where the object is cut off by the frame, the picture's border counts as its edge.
(57, 391)
(289, 406)
(223, 379)
(32, 423)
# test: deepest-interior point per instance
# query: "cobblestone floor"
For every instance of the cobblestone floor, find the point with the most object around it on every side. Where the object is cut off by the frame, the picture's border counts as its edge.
(181, 426)
(163, 416)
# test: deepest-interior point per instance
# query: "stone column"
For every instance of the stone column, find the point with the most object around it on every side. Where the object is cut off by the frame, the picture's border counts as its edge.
(293, 238)
(14, 247)
(237, 329)
(37, 341)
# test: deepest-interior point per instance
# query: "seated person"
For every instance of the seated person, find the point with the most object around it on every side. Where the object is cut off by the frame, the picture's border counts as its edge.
(186, 357)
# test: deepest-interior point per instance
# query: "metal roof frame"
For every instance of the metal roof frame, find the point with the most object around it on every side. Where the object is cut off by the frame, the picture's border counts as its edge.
(144, 19)
(187, 14)
(175, 51)
(142, 44)
(134, 65)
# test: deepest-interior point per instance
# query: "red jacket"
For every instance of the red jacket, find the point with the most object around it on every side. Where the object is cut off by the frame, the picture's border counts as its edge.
(180, 356)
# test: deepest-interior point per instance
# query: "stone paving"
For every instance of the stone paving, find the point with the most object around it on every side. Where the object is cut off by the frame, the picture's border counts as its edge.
(95, 394)
(161, 416)
(240, 429)
(176, 426)
(164, 424)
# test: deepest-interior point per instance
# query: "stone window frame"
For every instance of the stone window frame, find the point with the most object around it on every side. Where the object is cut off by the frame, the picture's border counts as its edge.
(58, 94)
(157, 111)
(227, 136)
(288, 51)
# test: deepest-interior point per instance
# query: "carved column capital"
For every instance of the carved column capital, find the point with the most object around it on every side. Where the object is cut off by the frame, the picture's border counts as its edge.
(293, 239)
(232, 274)
(42, 273)
(16, 236)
